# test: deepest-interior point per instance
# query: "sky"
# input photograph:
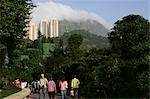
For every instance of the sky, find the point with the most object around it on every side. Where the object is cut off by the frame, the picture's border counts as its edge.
(109, 10)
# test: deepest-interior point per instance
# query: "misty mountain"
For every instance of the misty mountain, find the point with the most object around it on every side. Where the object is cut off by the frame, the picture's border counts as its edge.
(89, 40)
(89, 25)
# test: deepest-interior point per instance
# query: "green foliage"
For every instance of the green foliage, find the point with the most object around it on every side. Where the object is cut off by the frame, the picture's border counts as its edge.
(8, 92)
(89, 40)
(121, 71)
(14, 17)
(109, 72)
(37, 44)
(143, 81)
(26, 74)
(75, 40)
(129, 35)
(47, 48)
(73, 48)
(31, 65)
(33, 53)
(130, 41)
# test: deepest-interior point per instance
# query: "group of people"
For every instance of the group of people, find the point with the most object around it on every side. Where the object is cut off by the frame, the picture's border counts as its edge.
(20, 84)
(49, 85)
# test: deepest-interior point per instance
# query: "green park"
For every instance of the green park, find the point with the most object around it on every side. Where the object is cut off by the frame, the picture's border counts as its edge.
(116, 68)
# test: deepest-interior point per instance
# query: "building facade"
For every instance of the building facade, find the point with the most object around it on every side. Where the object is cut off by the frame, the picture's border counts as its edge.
(32, 33)
(54, 32)
(46, 28)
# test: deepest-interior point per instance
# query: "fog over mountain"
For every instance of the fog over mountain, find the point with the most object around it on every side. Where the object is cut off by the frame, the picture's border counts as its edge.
(92, 26)
(64, 13)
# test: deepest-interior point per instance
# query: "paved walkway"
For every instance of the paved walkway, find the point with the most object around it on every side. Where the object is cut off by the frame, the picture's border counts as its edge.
(36, 96)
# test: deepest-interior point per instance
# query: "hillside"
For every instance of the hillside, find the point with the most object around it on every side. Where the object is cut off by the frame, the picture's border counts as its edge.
(90, 25)
(89, 40)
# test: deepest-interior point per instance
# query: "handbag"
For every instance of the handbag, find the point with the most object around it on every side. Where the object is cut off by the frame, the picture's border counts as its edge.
(72, 93)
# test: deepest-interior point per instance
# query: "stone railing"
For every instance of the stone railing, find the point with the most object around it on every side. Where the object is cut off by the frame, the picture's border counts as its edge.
(20, 95)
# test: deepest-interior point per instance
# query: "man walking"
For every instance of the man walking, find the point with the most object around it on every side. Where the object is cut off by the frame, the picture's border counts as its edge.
(43, 87)
(75, 86)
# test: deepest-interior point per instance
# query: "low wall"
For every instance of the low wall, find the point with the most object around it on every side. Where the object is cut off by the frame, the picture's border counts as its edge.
(19, 95)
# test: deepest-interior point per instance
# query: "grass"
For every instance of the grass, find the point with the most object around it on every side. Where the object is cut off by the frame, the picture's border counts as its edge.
(8, 92)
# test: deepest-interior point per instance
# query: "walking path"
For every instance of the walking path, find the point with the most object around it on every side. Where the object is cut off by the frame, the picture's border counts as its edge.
(36, 96)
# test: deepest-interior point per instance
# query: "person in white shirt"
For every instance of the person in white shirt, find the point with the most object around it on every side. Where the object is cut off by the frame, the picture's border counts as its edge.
(23, 84)
(43, 87)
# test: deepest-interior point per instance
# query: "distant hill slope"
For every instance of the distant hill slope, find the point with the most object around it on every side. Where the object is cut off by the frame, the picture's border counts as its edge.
(90, 25)
(89, 40)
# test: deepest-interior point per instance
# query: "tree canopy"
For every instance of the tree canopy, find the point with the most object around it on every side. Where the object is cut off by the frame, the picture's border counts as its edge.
(130, 41)
(14, 18)
(130, 36)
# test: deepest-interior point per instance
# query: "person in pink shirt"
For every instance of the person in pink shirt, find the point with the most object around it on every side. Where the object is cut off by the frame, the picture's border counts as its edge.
(63, 87)
(51, 88)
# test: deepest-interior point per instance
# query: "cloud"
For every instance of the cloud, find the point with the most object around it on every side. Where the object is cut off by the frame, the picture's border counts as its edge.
(60, 11)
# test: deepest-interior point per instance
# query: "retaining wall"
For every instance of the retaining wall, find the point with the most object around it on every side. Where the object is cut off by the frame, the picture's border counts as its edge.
(19, 95)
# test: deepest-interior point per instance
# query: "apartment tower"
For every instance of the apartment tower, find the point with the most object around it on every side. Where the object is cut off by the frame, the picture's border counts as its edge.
(32, 33)
(44, 28)
(53, 27)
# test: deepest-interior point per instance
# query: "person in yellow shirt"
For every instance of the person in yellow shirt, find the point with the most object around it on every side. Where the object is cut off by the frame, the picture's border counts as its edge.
(75, 86)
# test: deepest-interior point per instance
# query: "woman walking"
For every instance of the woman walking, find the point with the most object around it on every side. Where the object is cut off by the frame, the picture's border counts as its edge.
(51, 88)
(63, 87)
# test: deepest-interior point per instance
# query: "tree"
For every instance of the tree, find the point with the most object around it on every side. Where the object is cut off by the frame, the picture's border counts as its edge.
(73, 47)
(130, 41)
(129, 35)
(61, 43)
(14, 17)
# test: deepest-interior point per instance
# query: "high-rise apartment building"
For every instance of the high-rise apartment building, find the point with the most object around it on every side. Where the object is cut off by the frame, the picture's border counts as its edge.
(44, 28)
(54, 27)
(47, 29)
(32, 33)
